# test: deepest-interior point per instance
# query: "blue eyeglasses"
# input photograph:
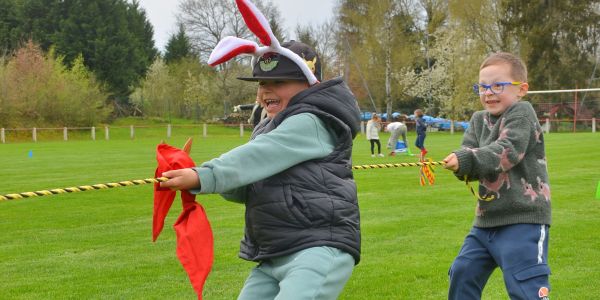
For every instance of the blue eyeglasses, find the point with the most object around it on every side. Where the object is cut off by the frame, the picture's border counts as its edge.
(495, 88)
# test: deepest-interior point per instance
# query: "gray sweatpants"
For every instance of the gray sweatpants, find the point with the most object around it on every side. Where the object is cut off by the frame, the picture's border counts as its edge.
(317, 273)
(394, 135)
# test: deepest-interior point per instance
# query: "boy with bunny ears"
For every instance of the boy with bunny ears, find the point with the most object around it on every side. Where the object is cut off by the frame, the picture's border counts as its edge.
(294, 175)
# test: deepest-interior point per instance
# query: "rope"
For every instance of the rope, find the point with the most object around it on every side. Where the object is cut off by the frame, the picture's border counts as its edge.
(397, 165)
(485, 198)
(81, 188)
(110, 185)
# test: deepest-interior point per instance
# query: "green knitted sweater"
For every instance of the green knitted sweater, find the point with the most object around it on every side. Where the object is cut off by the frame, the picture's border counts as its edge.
(506, 154)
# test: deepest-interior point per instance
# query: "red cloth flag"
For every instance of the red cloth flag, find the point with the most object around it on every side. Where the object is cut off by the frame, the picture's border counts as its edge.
(194, 235)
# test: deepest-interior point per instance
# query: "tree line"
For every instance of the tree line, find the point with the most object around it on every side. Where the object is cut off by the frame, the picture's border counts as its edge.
(396, 55)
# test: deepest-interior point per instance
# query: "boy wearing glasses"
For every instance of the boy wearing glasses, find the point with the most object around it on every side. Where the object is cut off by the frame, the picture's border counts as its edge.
(504, 149)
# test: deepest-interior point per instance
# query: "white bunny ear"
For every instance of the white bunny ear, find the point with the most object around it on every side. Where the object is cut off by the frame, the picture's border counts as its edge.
(257, 23)
(230, 47)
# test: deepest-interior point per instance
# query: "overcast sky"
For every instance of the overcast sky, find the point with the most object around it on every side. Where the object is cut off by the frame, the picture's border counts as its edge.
(161, 14)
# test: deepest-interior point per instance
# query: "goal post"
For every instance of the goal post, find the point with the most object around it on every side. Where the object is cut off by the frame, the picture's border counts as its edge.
(567, 106)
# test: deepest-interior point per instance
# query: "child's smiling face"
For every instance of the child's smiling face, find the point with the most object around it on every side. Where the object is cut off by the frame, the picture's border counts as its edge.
(497, 103)
(274, 96)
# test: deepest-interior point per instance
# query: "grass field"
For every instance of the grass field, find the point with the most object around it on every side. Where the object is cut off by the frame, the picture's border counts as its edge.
(97, 245)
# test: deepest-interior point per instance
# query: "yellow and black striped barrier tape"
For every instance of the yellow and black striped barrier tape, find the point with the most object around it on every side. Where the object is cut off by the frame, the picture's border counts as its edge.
(81, 188)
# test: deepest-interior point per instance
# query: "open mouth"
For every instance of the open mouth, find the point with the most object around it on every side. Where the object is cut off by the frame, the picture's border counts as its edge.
(272, 103)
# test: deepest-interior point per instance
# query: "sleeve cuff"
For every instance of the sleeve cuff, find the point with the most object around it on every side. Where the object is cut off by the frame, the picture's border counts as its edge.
(207, 181)
(465, 158)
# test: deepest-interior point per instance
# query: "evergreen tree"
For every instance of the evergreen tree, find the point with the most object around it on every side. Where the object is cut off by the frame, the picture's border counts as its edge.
(178, 47)
(9, 26)
(114, 37)
(39, 21)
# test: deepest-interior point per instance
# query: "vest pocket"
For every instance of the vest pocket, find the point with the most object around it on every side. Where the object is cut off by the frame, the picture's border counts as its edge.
(296, 207)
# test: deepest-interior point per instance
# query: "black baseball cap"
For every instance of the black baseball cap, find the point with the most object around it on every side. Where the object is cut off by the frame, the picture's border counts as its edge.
(275, 66)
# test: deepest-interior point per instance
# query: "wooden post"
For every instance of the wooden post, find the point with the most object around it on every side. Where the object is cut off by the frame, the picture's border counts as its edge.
(204, 130)
(94, 133)
(106, 133)
(362, 127)
(131, 132)
(34, 134)
(2, 136)
(241, 129)
(547, 125)
(451, 127)
(169, 131)
(593, 127)
(65, 134)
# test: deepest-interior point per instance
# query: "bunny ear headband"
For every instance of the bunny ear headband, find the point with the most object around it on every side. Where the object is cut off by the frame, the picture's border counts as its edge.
(230, 47)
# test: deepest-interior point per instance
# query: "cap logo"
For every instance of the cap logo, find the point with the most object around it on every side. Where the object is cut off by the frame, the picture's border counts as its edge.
(268, 62)
(310, 63)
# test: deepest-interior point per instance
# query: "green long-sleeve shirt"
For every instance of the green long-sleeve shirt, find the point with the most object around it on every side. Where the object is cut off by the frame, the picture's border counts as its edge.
(297, 139)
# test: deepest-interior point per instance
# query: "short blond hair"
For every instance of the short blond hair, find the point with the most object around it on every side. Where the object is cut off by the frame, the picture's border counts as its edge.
(518, 70)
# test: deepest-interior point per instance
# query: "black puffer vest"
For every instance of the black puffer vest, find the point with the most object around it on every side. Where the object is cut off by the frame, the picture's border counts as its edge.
(313, 203)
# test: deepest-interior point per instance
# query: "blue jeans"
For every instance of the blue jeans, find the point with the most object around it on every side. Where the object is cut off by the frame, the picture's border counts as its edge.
(520, 250)
(420, 141)
(313, 273)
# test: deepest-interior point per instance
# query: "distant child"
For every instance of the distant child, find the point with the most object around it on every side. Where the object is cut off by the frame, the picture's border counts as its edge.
(295, 178)
(373, 128)
(396, 129)
(421, 127)
(503, 148)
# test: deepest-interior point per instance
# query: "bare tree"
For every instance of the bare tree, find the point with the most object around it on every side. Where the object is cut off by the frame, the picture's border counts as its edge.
(326, 38)
(209, 21)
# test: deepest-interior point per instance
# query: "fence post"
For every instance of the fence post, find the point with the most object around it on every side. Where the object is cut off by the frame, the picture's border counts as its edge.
(106, 133)
(362, 127)
(593, 127)
(451, 127)
(204, 130)
(241, 129)
(168, 131)
(2, 137)
(34, 134)
(65, 134)
(547, 126)
(131, 132)
(93, 133)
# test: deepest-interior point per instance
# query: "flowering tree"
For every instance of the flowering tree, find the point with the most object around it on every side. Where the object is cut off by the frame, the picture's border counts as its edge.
(445, 86)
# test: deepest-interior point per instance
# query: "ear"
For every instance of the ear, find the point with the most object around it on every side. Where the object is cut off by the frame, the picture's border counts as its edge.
(257, 23)
(230, 47)
(523, 88)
